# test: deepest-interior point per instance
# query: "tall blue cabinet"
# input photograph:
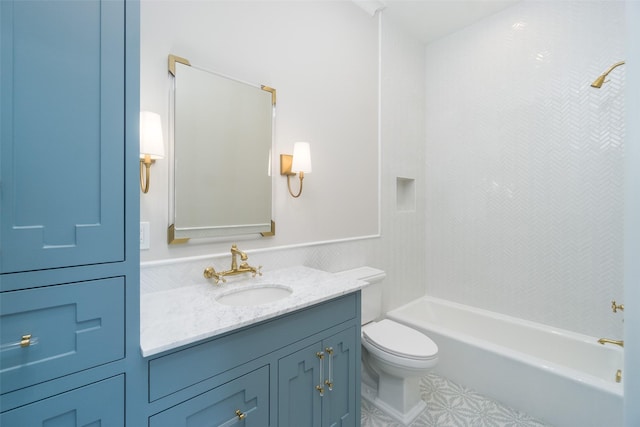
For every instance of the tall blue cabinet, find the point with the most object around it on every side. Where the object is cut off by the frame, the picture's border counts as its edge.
(69, 213)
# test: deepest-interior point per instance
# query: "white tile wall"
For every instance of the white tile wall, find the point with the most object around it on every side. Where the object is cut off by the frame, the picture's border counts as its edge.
(524, 164)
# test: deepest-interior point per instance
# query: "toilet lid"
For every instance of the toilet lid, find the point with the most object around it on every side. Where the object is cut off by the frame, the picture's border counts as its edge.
(399, 340)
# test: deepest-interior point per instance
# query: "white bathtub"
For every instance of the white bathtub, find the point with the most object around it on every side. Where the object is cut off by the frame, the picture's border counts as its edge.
(563, 378)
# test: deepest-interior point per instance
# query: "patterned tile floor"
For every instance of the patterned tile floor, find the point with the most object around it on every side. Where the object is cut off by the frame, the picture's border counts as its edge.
(451, 405)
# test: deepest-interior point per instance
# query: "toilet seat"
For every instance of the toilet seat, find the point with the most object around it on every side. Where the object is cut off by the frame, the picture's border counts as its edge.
(399, 340)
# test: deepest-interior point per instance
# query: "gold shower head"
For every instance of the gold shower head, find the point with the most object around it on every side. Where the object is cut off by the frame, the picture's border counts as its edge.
(597, 83)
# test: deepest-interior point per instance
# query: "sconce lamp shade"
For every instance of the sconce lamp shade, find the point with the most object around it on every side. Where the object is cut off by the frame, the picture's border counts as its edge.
(301, 158)
(151, 142)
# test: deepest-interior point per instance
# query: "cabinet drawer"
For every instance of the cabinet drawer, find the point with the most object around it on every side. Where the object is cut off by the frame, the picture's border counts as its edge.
(72, 327)
(241, 402)
(98, 404)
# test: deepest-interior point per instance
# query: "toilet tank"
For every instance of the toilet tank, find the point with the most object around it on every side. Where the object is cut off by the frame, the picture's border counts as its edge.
(372, 294)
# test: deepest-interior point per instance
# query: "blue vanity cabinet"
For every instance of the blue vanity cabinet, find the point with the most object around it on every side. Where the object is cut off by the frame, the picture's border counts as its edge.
(268, 372)
(317, 384)
(69, 213)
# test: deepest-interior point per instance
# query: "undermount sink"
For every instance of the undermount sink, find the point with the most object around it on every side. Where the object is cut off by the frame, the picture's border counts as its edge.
(262, 294)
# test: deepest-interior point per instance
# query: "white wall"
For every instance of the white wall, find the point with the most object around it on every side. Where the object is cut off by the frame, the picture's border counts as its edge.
(525, 164)
(336, 43)
(322, 58)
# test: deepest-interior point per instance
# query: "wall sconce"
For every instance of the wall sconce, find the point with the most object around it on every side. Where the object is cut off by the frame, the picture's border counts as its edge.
(299, 162)
(151, 145)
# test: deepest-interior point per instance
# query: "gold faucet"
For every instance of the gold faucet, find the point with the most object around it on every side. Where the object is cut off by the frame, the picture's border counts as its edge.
(211, 273)
(604, 341)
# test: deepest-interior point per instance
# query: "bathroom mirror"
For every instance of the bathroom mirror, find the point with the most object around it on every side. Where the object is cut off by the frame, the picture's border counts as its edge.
(222, 138)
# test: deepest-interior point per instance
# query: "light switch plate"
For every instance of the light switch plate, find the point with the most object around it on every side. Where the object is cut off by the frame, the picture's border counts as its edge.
(144, 235)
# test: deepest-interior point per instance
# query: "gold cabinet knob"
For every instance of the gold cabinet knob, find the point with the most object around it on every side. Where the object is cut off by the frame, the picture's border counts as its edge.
(241, 415)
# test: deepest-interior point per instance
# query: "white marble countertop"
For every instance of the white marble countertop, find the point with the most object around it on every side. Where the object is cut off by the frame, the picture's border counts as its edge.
(173, 317)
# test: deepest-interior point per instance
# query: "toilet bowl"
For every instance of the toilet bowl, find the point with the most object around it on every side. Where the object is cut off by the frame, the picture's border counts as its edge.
(399, 346)
(399, 356)
(394, 356)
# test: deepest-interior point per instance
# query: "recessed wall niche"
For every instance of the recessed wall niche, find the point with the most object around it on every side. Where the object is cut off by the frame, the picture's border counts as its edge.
(405, 194)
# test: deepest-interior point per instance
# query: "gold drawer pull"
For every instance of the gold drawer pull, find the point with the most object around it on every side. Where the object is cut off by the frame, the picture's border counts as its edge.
(329, 381)
(25, 341)
(319, 387)
(241, 415)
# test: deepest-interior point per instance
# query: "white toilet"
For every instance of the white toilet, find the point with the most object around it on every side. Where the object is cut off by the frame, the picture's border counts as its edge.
(394, 356)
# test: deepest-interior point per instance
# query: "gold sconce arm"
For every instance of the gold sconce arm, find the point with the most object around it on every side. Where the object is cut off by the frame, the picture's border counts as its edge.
(145, 166)
(301, 159)
(285, 169)
(289, 185)
(151, 145)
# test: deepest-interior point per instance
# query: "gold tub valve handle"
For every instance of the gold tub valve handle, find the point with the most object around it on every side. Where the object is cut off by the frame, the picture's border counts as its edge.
(615, 307)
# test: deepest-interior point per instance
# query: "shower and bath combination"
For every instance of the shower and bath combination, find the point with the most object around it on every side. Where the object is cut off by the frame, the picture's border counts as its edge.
(600, 80)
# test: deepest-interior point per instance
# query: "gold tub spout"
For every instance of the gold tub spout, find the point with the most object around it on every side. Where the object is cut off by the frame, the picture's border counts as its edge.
(604, 341)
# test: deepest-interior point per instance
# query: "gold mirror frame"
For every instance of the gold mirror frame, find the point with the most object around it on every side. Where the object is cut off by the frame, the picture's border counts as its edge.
(177, 235)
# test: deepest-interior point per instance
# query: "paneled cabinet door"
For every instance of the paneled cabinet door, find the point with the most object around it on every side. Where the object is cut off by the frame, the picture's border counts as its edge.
(299, 380)
(340, 399)
(62, 133)
(316, 385)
